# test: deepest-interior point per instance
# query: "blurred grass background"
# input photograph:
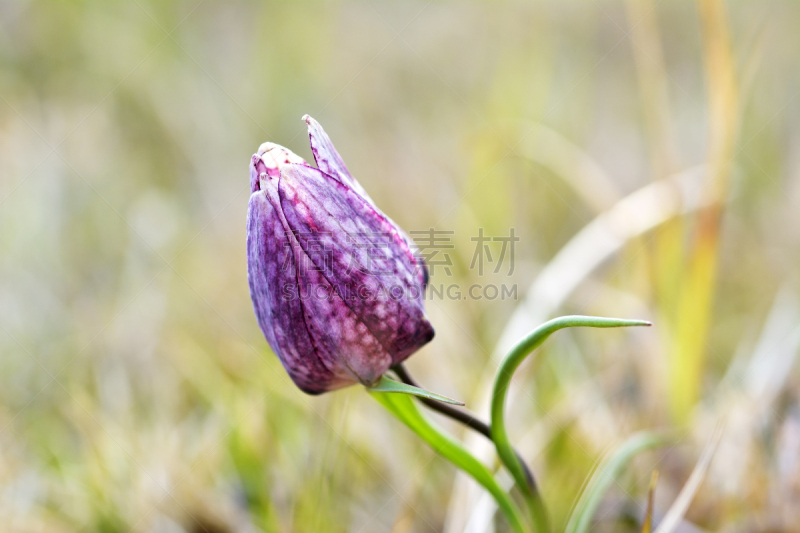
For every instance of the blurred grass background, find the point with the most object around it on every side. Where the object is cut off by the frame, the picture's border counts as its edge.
(136, 390)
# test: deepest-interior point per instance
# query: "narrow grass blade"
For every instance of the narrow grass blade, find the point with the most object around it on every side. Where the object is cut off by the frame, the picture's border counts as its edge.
(606, 474)
(647, 526)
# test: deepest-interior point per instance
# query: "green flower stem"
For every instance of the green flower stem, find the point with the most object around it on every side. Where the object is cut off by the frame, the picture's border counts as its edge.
(403, 407)
(463, 417)
(503, 380)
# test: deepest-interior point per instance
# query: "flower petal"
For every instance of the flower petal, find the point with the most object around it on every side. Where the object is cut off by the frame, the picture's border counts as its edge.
(330, 162)
(277, 304)
(328, 159)
(360, 252)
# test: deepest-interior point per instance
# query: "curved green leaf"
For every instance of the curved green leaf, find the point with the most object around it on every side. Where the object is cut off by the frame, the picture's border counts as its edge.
(387, 384)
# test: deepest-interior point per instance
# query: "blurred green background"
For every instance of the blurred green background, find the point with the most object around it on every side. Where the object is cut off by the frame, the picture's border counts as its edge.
(646, 153)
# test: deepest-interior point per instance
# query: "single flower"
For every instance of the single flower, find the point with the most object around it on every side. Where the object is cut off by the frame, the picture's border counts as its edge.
(336, 285)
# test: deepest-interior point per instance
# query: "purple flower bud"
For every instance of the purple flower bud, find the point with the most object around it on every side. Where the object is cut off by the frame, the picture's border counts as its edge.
(336, 286)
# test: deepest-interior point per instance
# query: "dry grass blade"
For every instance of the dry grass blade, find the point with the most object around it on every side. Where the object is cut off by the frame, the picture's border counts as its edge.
(653, 81)
(681, 504)
(631, 217)
(747, 395)
(587, 178)
(776, 351)
(648, 515)
(698, 284)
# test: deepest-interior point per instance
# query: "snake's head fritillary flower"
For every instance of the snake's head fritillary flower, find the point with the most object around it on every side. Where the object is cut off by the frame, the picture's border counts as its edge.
(336, 285)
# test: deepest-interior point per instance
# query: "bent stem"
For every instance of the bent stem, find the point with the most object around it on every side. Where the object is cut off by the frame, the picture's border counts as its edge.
(463, 417)
(502, 381)
(404, 408)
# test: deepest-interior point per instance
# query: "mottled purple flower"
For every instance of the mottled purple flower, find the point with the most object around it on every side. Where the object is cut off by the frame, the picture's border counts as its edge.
(336, 286)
